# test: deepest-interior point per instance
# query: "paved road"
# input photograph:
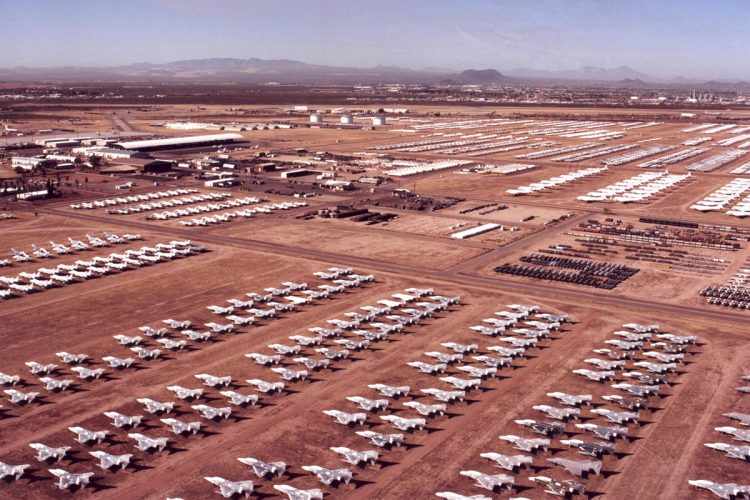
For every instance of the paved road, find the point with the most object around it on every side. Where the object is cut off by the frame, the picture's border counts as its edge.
(460, 277)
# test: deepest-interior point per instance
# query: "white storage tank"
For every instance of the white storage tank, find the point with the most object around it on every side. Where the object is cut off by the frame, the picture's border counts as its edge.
(347, 119)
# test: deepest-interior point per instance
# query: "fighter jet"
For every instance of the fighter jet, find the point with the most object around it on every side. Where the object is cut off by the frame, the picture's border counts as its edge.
(20, 398)
(119, 420)
(333, 354)
(180, 428)
(492, 482)
(306, 341)
(624, 344)
(144, 353)
(732, 451)
(595, 375)
(238, 399)
(212, 413)
(633, 337)
(492, 361)
(184, 392)
(178, 324)
(656, 367)
(55, 385)
(462, 384)
(88, 373)
(173, 345)
(241, 320)
(727, 491)
(290, 375)
(219, 328)
(45, 453)
(353, 345)
(354, 457)
(118, 363)
(509, 352)
(614, 354)
(548, 429)
(382, 440)
(85, 436)
(230, 489)
(145, 443)
(263, 359)
(481, 373)
(266, 387)
(213, 380)
(40, 369)
(627, 403)
(329, 476)
(617, 417)
(108, 461)
(221, 310)
(605, 365)
(664, 357)
(156, 407)
(11, 380)
(571, 399)
(460, 348)
(293, 493)
(646, 378)
(391, 391)
(738, 434)
(508, 462)
(529, 445)
(405, 424)
(742, 418)
(14, 472)
(344, 418)
(609, 433)
(371, 405)
(598, 449)
(196, 336)
(563, 414)
(149, 331)
(519, 342)
(312, 364)
(285, 350)
(427, 410)
(67, 479)
(449, 495)
(71, 359)
(567, 489)
(678, 339)
(638, 390)
(445, 358)
(430, 369)
(264, 470)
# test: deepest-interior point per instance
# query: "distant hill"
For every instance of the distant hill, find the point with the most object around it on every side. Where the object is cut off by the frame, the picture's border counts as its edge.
(480, 77)
(586, 73)
(259, 71)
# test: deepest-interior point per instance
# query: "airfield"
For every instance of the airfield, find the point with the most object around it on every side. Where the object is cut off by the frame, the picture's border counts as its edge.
(676, 251)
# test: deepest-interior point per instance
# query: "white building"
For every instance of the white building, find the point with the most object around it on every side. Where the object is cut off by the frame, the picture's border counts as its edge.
(378, 121)
(28, 163)
(346, 119)
(316, 118)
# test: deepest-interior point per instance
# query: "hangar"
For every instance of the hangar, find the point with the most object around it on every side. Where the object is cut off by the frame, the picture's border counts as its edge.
(179, 142)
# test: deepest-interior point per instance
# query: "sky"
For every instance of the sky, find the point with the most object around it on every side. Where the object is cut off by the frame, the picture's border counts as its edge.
(664, 38)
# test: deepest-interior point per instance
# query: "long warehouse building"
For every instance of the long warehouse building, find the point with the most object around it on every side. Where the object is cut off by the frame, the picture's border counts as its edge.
(179, 142)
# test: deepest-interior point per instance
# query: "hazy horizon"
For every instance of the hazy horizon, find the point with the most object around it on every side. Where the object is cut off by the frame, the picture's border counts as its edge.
(692, 38)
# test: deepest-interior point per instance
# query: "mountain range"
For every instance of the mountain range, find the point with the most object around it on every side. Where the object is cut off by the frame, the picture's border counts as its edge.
(285, 71)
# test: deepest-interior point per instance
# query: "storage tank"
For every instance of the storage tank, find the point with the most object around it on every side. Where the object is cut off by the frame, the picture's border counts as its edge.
(347, 119)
